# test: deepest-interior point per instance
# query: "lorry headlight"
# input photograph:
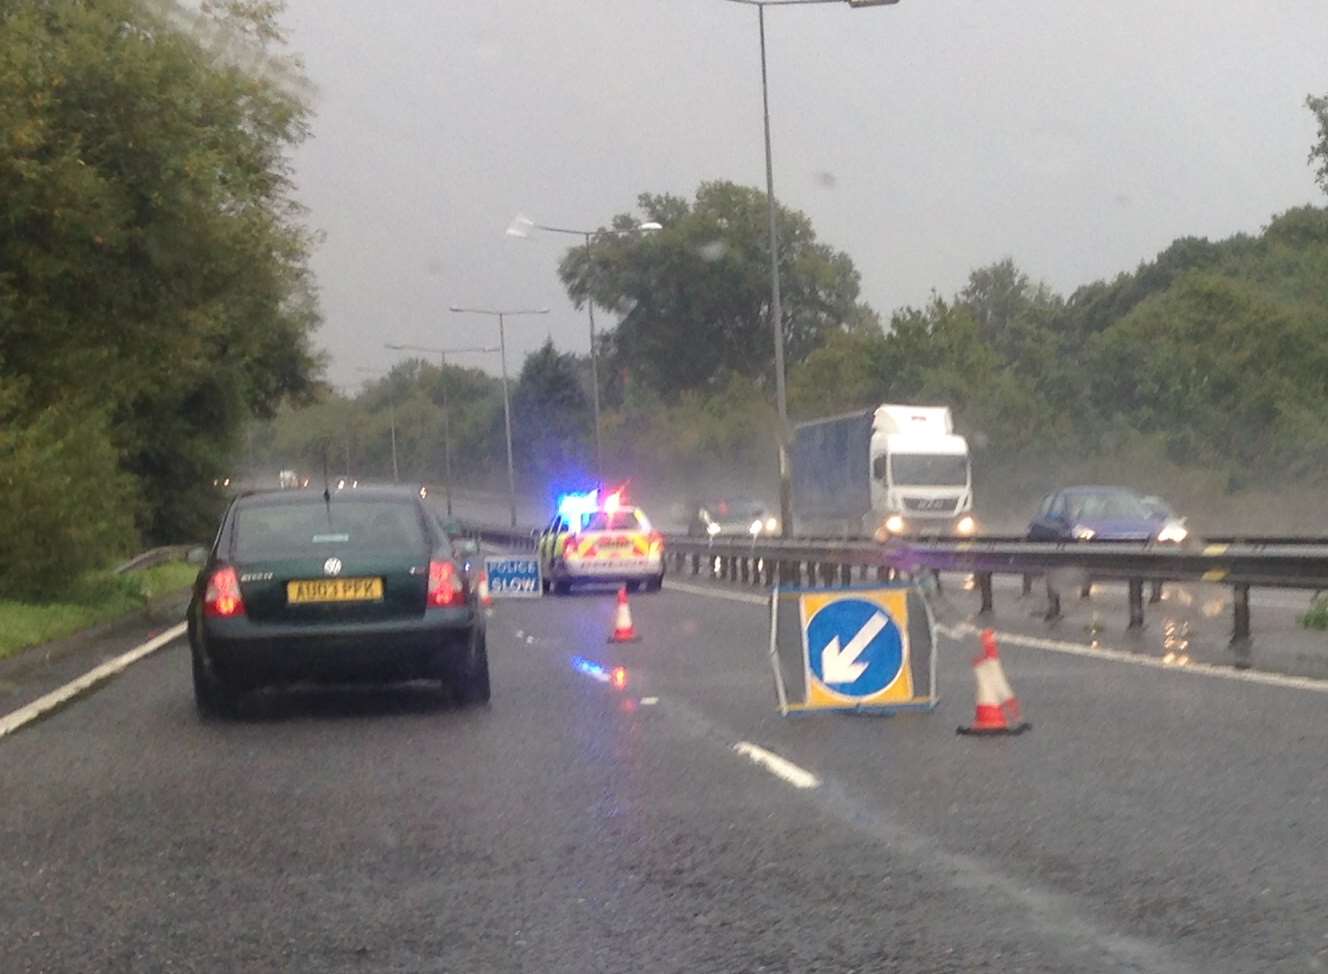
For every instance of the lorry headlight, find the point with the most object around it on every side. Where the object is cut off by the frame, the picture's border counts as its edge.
(772, 524)
(755, 529)
(966, 525)
(712, 529)
(894, 524)
(1082, 533)
(1173, 532)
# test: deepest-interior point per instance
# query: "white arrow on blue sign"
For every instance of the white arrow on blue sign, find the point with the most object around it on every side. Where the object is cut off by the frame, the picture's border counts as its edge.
(854, 647)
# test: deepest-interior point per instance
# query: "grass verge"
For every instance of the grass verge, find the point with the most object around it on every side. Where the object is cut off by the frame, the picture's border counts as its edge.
(1317, 616)
(94, 599)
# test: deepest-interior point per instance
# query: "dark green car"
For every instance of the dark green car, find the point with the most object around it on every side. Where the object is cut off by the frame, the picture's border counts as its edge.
(305, 587)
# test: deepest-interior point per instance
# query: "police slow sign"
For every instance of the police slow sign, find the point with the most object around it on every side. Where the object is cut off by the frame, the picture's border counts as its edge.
(516, 577)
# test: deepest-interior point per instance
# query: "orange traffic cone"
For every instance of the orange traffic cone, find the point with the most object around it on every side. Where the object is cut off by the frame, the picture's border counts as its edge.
(997, 706)
(623, 630)
(486, 597)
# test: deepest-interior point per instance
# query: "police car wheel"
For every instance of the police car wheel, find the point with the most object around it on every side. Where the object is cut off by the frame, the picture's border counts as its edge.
(561, 588)
(633, 586)
(654, 584)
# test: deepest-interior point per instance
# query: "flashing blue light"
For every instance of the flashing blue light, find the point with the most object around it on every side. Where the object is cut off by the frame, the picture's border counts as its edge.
(573, 506)
(591, 669)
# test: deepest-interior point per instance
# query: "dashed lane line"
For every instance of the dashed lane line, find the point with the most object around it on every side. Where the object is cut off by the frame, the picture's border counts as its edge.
(777, 766)
(58, 697)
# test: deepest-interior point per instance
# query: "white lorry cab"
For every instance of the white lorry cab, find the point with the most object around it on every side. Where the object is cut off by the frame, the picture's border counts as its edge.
(891, 471)
(922, 476)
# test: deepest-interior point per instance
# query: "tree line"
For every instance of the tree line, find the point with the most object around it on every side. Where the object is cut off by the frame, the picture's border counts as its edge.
(154, 286)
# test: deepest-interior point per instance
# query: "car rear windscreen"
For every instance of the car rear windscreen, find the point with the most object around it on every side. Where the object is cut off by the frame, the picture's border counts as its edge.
(358, 526)
(617, 521)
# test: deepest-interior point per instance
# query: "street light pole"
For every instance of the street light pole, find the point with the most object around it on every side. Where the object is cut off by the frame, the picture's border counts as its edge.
(521, 227)
(502, 315)
(776, 301)
(442, 354)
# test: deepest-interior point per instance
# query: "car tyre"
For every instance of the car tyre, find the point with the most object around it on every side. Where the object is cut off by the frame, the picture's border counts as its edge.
(655, 584)
(634, 586)
(212, 696)
(561, 588)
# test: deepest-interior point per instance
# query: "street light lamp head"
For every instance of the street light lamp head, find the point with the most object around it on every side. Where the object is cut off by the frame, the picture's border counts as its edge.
(520, 226)
(651, 226)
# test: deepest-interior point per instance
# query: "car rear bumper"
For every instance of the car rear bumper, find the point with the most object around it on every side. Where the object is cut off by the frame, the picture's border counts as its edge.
(250, 653)
(610, 570)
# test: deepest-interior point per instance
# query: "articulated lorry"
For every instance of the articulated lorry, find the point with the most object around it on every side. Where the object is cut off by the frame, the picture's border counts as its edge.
(892, 471)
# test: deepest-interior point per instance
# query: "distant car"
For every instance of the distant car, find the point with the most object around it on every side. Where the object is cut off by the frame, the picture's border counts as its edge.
(590, 541)
(733, 517)
(299, 587)
(1105, 514)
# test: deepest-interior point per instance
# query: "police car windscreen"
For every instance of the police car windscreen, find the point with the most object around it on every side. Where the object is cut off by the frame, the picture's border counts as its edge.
(358, 526)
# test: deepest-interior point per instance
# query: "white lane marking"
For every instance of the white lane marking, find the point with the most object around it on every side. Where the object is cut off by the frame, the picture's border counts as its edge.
(777, 766)
(1152, 662)
(26, 715)
(716, 593)
(649, 701)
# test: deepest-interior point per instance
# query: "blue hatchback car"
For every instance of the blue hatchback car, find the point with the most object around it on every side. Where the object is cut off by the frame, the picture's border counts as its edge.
(1105, 514)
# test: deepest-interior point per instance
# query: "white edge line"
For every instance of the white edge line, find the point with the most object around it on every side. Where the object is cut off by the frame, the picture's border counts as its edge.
(1152, 662)
(27, 714)
(777, 766)
(716, 593)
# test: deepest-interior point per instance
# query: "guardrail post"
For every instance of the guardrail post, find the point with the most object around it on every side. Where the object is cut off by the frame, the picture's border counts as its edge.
(883, 573)
(936, 577)
(1053, 601)
(745, 569)
(846, 575)
(1240, 633)
(1155, 596)
(984, 587)
(1136, 603)
(696, 563)
(1028, 585)
(1086, 589)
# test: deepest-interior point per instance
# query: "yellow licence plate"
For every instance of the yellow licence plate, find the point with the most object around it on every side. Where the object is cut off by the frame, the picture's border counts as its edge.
(305, 591)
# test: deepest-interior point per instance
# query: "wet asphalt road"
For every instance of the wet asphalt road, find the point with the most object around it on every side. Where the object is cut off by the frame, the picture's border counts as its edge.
(1152, 821)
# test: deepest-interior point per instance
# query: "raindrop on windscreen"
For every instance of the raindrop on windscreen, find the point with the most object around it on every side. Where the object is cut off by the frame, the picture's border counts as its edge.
(713, 250)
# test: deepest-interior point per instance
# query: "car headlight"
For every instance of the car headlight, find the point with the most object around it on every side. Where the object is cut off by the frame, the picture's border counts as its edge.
(772, 524)
(755, 529)
(1082, 533)
(1173, 532)
(966, 525)
(894, 524)
(713, 529)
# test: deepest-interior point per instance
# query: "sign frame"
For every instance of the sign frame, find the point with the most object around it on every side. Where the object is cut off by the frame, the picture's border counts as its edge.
(799, 701)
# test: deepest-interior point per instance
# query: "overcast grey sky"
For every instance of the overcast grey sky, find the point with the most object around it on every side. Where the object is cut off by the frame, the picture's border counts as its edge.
(1078, 138)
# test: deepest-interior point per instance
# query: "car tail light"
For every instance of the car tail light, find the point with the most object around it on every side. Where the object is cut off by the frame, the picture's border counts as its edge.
(445, 586)
(222, 597)
(656, 543)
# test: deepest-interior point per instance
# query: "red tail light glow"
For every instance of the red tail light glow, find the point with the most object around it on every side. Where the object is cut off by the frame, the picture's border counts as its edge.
(222, 597)
(618, 678)
(445, 587)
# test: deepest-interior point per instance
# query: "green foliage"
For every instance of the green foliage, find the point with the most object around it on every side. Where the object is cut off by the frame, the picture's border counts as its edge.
(355, 434)
(1317, 616)
(551, 419)
(85, 601)
(151, 257)
(67, 504)
(695, 296)
(1319, 152)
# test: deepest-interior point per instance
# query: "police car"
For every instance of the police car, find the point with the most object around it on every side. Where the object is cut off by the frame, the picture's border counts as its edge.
(589, 540)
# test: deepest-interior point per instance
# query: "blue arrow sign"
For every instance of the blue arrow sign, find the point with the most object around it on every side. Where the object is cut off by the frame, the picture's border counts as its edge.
(854, 647)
